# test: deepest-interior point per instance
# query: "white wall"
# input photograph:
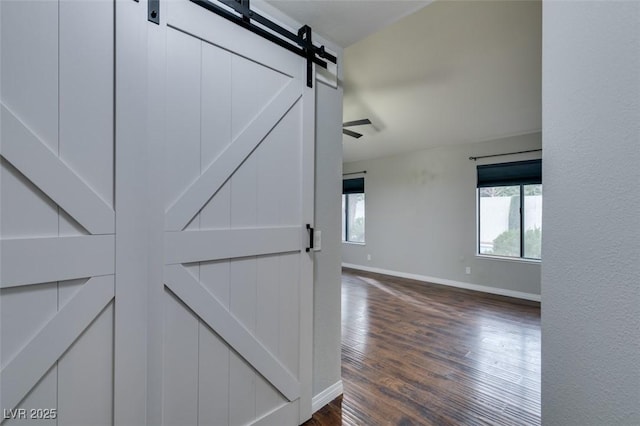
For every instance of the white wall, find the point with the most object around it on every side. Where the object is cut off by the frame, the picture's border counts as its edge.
(327, 282)
(421, 217)
(591, 218)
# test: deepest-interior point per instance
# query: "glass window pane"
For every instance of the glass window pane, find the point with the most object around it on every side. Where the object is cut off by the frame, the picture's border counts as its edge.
(500, 220)
(356, 218)
(532, 221)
(344, 215)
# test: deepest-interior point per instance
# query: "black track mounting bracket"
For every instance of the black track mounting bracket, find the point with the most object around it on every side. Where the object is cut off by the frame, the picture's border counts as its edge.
(305, 35)
(153, 11)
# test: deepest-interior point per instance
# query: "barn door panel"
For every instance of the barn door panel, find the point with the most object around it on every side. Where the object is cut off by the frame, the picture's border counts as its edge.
(57, 220)
(234, 144)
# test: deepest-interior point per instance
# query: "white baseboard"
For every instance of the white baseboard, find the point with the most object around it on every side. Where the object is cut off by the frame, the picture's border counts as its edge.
(326, 396)
(452, 283)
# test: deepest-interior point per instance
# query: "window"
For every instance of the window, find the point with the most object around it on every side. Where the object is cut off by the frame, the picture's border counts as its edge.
(353, 210)
(510, 209)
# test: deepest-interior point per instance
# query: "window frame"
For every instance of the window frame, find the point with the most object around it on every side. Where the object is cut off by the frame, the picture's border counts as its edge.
(515, 174)
(346, 191)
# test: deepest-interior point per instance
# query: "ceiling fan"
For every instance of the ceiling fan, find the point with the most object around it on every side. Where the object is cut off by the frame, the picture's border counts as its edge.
(351, 133)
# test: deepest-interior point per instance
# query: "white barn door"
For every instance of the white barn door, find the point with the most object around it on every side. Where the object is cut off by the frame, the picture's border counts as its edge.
(152, 275)
(232, 125)
(57, 219)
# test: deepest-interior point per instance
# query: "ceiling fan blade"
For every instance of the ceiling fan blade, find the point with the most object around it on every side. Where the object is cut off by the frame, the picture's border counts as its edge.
(352, 134)
(361, 122)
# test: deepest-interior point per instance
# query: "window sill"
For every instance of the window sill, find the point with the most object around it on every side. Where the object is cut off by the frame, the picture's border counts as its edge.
(354, 243)
(509, 259)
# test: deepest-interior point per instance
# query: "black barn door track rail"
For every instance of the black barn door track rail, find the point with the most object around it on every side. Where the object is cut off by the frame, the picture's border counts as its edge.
(241, 14)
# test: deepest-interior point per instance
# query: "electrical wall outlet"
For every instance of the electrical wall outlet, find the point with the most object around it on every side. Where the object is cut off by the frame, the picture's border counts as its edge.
(467, 270)
(368, 257)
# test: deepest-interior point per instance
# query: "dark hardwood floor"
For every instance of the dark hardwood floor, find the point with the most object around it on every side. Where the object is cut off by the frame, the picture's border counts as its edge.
(424, 354)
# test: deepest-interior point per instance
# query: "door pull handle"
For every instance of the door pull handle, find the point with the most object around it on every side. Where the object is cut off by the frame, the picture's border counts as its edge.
(310, 230)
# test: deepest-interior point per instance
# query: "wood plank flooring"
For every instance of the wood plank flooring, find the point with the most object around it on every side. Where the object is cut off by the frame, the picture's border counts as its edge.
(423, 354)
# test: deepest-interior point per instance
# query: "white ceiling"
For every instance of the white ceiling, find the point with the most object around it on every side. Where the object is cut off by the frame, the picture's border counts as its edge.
(453, 72)
(347, 21)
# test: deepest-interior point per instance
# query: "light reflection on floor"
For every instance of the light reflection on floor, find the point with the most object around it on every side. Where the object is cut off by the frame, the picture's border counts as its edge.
(477, 354)
(355, 314)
